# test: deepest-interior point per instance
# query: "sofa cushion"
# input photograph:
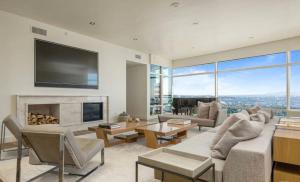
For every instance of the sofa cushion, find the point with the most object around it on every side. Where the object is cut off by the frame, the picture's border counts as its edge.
(203, 110)
(213, 110)
(225, 125)
(199, 145)
(240, 131)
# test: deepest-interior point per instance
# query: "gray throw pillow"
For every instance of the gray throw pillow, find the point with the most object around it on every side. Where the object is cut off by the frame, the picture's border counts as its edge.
(225, 125)
(240, 131)
(203, 110)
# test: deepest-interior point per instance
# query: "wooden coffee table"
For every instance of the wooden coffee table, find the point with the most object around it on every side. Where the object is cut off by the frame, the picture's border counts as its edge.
(154, 131)
(102, 133)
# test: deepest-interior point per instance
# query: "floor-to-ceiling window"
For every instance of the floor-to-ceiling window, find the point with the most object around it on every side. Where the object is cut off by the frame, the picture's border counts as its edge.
(270, 81)
(253, 81)
(194, 81)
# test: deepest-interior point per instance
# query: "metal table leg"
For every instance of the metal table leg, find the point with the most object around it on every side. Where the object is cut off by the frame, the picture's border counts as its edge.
(136, 172)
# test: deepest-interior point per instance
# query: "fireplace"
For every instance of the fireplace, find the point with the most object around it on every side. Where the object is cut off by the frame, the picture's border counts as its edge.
(92, 111)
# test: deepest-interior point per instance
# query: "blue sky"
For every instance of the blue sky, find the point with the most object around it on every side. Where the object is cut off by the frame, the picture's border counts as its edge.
(269, 81)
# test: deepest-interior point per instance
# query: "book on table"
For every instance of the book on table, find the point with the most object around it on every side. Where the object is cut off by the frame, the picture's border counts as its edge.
(109, 125)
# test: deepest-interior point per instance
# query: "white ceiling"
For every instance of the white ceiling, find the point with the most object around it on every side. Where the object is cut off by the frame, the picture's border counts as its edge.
(166, 30)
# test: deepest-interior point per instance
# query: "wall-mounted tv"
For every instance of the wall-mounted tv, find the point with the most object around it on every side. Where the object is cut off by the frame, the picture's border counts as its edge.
(59, 65)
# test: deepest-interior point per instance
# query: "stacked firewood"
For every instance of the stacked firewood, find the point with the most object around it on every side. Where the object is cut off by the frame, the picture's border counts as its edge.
(39, 119)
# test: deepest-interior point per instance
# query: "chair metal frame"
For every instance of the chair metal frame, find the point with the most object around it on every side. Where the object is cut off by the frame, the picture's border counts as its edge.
(60, 165)
(2, 142)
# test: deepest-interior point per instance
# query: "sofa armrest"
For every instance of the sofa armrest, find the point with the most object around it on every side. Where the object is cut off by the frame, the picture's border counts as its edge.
(222, 115)
(250, 160)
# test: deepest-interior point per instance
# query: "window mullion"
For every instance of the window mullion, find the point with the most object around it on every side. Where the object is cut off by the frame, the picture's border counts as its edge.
(288, 80)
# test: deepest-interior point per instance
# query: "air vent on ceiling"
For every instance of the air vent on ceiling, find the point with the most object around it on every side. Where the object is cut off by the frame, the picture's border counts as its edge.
(137, 56)
(40, 31)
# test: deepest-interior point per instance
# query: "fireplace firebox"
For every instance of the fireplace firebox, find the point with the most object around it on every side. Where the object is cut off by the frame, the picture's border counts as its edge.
(92, 111)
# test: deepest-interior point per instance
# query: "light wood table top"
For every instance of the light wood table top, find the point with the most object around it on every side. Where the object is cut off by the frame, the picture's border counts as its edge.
(124, 127)
(102, 133)
(285, 133)
(165, 129)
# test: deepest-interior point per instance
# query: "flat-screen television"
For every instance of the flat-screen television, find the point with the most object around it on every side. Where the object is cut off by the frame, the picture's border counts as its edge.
(59, 65)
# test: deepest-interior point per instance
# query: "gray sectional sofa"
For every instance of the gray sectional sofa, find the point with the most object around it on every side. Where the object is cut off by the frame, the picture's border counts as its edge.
(248, 161)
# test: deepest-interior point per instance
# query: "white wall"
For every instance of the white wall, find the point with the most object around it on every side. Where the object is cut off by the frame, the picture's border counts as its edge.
(137, 91)
(261, 49)
(17, 64)
(161, 61)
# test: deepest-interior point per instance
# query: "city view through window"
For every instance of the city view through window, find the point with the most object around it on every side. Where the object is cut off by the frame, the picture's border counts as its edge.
(266, 81)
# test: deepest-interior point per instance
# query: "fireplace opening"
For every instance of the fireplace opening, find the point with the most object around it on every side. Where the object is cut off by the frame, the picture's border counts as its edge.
(39, 114)
(92, 111)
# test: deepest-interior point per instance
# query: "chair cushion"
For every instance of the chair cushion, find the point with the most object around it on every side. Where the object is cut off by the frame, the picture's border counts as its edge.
(89, 147)
(203, 110)
(77, 151)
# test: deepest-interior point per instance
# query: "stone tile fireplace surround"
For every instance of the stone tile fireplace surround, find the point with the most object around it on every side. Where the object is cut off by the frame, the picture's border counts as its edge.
(67, 109)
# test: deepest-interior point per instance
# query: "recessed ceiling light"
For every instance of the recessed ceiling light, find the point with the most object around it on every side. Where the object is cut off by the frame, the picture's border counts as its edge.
(175, 4)
(195, 23)
(92, 23)
(135, 38)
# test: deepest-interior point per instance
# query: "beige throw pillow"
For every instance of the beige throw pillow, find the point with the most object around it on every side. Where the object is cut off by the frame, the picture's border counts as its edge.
(213, 110)
(266, 115)
(225, 125)
(253, 110)
(258, 117)
(203, 110)
(246, 114)
(269, 111)
(240, 131)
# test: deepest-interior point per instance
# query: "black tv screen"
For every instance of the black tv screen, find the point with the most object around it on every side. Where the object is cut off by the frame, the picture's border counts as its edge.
(58, 65)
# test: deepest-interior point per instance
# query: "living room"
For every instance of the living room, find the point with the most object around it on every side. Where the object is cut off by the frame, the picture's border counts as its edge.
(150, 90)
